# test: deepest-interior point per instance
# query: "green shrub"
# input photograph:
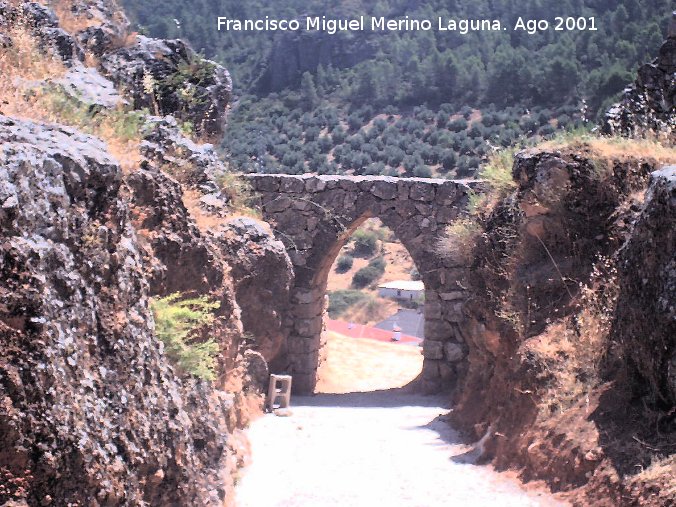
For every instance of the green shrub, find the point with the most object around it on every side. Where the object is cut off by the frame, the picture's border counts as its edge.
(498, 171)
(365, 244)
(344, 264)
(369, 274)
(176, 323)
(341, 300)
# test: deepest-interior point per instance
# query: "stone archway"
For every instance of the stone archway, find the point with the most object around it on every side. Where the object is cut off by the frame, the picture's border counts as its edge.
(315, 215)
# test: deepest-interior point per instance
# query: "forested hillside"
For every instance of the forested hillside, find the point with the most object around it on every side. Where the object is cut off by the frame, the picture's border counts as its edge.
(412, 102)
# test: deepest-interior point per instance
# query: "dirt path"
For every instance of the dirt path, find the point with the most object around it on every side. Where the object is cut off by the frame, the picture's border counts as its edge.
(380, 449)
(383, 448)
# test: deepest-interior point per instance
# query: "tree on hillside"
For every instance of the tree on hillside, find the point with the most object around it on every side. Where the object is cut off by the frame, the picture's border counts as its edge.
(308, 92)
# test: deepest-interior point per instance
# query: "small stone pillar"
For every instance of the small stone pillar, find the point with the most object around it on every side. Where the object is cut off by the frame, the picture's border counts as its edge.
(279, 389)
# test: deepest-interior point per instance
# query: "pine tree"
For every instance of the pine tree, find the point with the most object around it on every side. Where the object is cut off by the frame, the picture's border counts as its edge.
(308, 92)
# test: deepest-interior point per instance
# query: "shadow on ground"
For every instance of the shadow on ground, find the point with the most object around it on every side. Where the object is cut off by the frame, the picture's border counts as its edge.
(400, 397)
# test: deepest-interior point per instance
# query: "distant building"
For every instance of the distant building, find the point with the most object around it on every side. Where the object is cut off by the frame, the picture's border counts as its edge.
(404, 290)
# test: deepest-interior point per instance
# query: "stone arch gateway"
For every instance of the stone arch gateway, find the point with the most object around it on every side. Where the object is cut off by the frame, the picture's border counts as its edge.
(315, 215)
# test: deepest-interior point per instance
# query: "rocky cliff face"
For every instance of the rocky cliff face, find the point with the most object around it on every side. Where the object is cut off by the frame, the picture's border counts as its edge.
(649, 104)
(92, 413)
(645, 320)
(571, 289)
(91, 410)
(571, 337)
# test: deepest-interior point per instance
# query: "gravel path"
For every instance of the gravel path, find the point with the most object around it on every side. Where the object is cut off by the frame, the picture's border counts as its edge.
(379, 449)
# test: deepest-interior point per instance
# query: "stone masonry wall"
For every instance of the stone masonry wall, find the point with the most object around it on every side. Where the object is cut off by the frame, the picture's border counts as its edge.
(315, 215)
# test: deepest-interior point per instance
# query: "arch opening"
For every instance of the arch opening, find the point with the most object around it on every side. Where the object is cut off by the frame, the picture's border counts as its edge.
(373, 326)
(314, 216)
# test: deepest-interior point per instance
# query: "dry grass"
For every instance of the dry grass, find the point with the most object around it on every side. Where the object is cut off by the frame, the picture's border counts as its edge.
(574, 347)
(613, 148)
(370, 311)
(205, 221)
(458, 240)
(24, 72)
(74, 23)
(661, 471)
(68, 20)
(241, 194)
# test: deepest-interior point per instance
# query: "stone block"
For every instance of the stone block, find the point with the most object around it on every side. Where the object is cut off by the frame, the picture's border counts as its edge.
(303, 240)
(312, 223)
(298, 258)
(432, 310)
(305, 296)
(433, 350)
(453, 312)
(447, 373)
(384, 189)
(452, 295)
(406, 209)
(309, 327)
(292, 184)
(267, 184)
(280, 203)
(430, 370)
(301, 204)
(447, 215)
(403, 188)
(447, 193)
(315, 185)
(453, 352)
(348, 184)
(307, 311)
(422, 192)
(437, 330)
(301, 345)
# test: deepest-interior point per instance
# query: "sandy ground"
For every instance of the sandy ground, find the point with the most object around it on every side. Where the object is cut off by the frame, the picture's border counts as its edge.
(355, 365)
(383, 448)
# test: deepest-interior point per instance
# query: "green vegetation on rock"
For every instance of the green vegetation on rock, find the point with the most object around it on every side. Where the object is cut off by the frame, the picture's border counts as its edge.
(177, 322)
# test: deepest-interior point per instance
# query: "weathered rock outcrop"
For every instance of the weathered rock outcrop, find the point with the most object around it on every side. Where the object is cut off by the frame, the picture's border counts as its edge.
(196, 165)
(649, 105)
(262, 274)
(546, 385)
(42, 24)
(645, 320)
(168, 77)
(91, 411)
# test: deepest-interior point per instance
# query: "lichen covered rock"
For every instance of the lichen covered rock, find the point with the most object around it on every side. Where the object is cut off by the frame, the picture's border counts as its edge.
(90, 412)
(649, 105)
(168, 77)
(645, 320)
(262, 272)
